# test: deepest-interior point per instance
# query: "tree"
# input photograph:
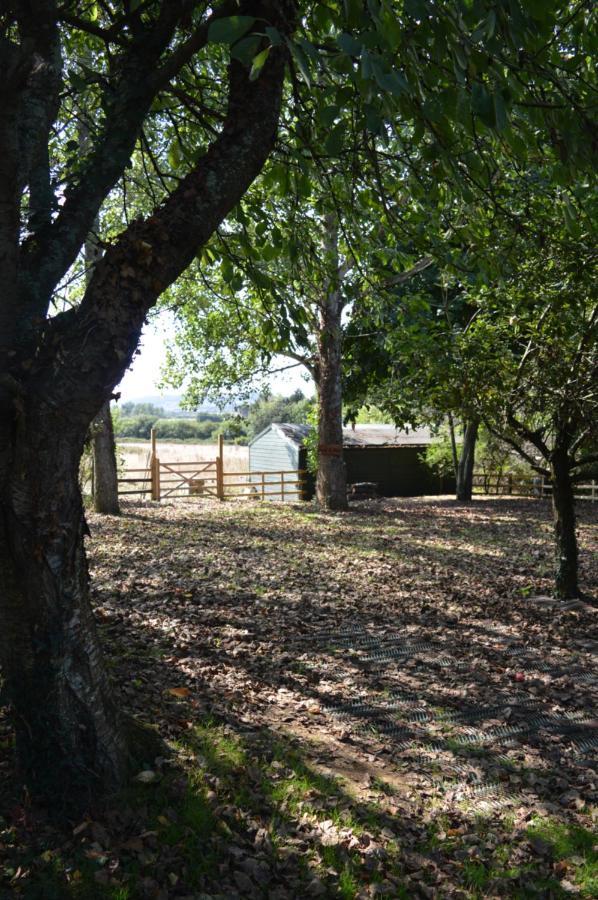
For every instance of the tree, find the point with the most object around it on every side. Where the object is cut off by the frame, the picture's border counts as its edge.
(268, 409)
(57, 368)
(542, 399)
(403, 355)
(250, 306)
(511, 339)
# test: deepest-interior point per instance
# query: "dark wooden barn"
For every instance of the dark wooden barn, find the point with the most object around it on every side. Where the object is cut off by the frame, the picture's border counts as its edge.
(392, 459)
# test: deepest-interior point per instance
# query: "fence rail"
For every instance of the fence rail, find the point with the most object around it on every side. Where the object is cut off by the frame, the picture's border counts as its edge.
(207, 478)
(517, 486)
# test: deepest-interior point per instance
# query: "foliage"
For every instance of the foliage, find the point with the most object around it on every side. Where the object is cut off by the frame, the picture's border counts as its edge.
(439, 456)
(295, 409)
(137, 427)
(311, 441)
(250, 419)
(372, 415)
(131, 409)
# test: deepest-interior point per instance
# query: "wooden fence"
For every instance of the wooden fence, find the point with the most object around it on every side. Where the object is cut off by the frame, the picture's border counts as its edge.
(518, 486)
(160, 480)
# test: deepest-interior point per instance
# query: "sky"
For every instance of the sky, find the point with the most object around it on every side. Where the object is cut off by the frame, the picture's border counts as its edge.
(144, 376)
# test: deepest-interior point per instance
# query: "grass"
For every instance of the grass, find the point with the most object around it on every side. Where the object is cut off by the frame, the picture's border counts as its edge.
(573, 845)
(270, 779)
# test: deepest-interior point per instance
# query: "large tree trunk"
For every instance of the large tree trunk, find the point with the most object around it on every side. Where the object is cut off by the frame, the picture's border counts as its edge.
(466, 462)
(105, 472)
(563, 505)
(69, 742)
(331, 483)
(55, 374)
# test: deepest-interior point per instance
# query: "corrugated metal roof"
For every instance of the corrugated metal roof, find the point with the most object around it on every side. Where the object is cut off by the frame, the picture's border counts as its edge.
(295, 433)
(385, 436)
(362, 435)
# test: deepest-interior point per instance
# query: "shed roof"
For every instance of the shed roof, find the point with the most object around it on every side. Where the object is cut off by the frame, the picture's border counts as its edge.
(385, 436)
(358, 436)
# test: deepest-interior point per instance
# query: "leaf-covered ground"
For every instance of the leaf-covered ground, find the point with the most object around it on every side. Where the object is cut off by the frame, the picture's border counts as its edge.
(365, 704)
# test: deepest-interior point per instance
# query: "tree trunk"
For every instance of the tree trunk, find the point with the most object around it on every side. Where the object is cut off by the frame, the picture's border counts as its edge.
(331, 483)
(466, 462)
(69, 741)
(105, 478)
(55, 374)
(454, 453)
(563, 505)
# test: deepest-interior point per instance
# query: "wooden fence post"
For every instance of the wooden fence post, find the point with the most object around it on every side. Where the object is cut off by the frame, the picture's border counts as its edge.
(282, 486)
(154, 468)
(263, 485)
(220, 468)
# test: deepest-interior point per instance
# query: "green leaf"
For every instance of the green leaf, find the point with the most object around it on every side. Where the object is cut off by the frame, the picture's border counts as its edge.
(258, 64)
(335, 140)
(366, 65)
(416, 8)
(246, 49)
(348, 44)
(230, 29)
(273, 35)
(391, 81)
(500, 113)
(309, 49)
(301, 59)
(327, 115)
(373, 119)
(482, 105)
(174, 155)
(490, 24)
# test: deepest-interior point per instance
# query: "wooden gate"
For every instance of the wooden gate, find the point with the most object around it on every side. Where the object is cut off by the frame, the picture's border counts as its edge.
(187, 479)
(193, 479)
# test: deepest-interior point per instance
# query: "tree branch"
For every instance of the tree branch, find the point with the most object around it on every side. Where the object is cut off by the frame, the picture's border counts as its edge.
(151, 254)
(47, 256)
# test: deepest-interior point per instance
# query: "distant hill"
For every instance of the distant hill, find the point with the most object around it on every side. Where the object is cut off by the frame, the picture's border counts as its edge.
(171, 404)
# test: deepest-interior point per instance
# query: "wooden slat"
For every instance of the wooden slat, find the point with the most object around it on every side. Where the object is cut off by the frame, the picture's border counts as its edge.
(259, 473)
(258, 484)
(257, 494)
(124, 493)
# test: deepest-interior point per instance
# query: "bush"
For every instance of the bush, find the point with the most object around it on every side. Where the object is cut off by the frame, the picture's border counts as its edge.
(136, 427)
(179, 429)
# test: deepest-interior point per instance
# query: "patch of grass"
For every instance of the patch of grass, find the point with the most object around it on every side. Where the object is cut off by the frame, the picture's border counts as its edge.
(222, 752)
(476, 875)
(573, 845)
(347, 884)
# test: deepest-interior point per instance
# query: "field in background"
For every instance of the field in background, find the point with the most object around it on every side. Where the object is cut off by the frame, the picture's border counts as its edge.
(136, 455)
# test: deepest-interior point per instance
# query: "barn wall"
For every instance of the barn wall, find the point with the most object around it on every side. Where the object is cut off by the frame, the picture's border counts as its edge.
(399, 471)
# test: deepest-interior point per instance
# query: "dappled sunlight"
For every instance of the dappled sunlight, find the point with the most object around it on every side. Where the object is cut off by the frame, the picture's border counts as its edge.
(351, 699)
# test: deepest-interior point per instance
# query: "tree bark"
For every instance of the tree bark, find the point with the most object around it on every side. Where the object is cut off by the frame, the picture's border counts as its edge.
(466, 462)
(331, 482)
(68, 737)
(105, 472)
(563, 506)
